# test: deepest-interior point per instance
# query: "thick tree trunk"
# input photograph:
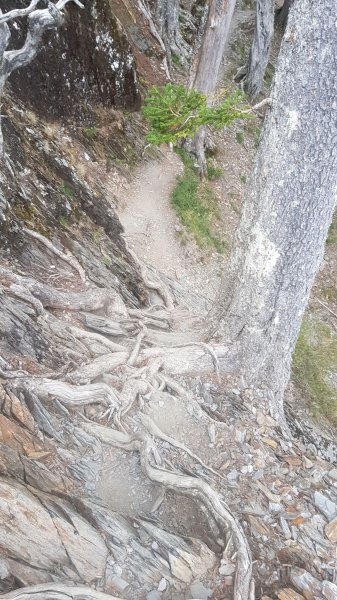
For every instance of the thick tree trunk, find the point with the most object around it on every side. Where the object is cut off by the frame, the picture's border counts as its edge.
(282, 14)
(259, 53)
(279, 244)
(210, 56)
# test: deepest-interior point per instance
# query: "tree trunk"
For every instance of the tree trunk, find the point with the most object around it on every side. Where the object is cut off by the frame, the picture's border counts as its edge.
(210, 56)
(259, 53)
(282, 14)
(279, 244)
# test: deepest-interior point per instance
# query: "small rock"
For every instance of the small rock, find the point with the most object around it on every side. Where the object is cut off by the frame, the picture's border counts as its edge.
(162, 585)
(119, 583)
(275, 507)
(180, 569)
(307, 462)
(333, 474)
(329, 590)
(154, 546)
(199, 591)
(285, 528)
(226, 568)
(289, 594)
(326, 506)
(232, 475)
(331, 530)
(306, 583)
(154, 595)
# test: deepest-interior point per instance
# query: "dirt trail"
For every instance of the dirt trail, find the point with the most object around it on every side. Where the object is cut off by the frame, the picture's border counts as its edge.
(152, 228)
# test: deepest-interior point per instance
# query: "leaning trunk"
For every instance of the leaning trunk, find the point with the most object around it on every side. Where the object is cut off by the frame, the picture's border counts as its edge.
(279, 244)
(211, 53)
(259, 53)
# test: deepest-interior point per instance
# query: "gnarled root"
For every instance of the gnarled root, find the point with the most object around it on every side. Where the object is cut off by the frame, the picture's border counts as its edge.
(56, 591)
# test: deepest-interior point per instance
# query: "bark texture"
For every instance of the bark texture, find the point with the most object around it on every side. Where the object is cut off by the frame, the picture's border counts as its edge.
(210, 56)
(279, 244)
(259, 53)
(282, 14)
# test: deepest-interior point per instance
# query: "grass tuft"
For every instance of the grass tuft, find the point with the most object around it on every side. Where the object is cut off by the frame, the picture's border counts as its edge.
(314, 359)
(196, 206)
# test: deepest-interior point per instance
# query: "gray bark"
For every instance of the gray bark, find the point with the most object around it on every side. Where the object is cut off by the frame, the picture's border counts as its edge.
(279, 244)
(167, 17)
(259, 53)
(39, 21)
(282, 14)
(210, 56)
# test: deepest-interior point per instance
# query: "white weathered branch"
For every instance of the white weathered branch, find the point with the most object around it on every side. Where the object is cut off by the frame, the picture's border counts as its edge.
(19, 12)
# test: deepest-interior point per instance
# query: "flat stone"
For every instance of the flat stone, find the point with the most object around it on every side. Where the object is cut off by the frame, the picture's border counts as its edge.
(162, 585)
(331, 530)
(154, 595)
(180, 569)
(333, 474)
(199, 591)
(289, 594)
(306, 583)
(325, 505)
(329, 590)
(119, 583)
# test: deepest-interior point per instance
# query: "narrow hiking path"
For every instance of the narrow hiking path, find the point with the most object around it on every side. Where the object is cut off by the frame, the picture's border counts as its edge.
(154, 232)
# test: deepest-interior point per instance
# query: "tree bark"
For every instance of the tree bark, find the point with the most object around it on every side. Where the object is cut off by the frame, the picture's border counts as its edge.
(282, 14)
(259, 53)
(210, 56)
(279, 244)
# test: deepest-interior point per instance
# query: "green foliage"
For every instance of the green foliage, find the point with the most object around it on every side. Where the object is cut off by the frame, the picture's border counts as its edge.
(174, 112)
(90, 132)
(63, 221)
(213, 170)
(240, 138)
(67, 191)
(314, 359)
(196, 206)
(332, 235)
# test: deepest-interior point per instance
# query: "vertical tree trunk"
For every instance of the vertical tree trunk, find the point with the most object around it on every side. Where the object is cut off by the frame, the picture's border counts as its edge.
(210, 56)
(259, 53)
(279, 244)
(282, 14)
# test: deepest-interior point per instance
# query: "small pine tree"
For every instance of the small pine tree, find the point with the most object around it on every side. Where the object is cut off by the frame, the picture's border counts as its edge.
(174, 112)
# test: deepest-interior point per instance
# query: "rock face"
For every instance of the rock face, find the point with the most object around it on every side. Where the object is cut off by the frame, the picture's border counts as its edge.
(87, 62)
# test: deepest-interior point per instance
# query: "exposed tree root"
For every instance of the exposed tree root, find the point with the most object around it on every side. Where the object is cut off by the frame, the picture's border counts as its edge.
(72, 395)
(56, 591)
(91, 299)
(68, 258)
(189, 486)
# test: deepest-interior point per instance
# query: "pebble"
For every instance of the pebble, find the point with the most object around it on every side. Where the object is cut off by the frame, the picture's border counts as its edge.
(333, 474)
(331, 530)
(325, 505)
(162, 585)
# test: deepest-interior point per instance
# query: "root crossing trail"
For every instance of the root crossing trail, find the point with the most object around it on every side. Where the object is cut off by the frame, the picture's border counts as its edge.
(154, 232)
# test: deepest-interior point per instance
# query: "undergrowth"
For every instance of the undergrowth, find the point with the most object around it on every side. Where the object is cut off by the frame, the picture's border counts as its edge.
(314, 359)
(196, 205)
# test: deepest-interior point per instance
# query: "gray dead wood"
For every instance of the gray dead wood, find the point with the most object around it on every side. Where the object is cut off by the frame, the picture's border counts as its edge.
(259, 52)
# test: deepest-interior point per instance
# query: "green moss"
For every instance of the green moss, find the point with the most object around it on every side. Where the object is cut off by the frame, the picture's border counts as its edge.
(196, 206)
(243, 179)
(63, 221)
(107, 260)
(332, 235)
(314, 359)
(67, 191)
(213, 170)
(329, 293)
(175, 59)
(90, 132)
(240, 138)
